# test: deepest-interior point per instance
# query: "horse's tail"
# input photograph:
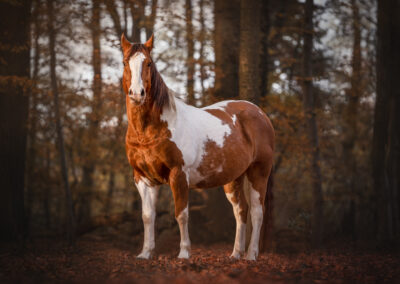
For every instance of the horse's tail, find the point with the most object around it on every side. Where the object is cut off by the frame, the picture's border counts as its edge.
(266, 229)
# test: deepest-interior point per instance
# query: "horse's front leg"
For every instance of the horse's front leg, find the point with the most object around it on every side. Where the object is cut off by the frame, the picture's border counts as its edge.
(180, 191)
(149, 200)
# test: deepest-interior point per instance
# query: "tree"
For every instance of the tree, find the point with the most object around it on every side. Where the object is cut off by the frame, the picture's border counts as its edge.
(91, 149)
(386, 139)
(351, 117)
(264, 34)
(71, 227)
(311, 124)
(249, 55)
(226, 40)
(137, 13)
(14, 87)
(33, 115)
(151, 19)
(190, 52)
(202, 60)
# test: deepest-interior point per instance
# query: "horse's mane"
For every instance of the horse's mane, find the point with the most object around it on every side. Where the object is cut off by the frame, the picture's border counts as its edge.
(159, 92)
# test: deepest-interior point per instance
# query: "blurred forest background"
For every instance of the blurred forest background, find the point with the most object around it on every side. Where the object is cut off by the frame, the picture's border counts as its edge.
(325, 71)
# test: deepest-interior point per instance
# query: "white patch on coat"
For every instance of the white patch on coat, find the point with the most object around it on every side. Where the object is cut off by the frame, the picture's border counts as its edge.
(191, 128)
(183, 220)
(220, 105)
(148, 195)
(240, 237)
(136, 64)
(234, 119)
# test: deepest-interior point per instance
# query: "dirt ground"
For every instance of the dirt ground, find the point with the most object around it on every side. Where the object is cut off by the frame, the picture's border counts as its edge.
(112, 260)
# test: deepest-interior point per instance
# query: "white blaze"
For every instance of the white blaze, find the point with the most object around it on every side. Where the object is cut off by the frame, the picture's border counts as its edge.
(135, 64)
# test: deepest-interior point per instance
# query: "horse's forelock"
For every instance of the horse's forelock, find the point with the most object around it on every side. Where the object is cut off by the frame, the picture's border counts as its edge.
(137, 47)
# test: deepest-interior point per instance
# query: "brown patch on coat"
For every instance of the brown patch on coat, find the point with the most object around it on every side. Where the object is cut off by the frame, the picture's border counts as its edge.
(180, 190)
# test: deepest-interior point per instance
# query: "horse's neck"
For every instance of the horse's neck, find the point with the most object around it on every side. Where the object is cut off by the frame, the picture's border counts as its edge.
(141, 119)
(147, 121)
(178, 114)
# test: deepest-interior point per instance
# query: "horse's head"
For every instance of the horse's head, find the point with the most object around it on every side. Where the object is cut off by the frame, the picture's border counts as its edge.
(136, 79)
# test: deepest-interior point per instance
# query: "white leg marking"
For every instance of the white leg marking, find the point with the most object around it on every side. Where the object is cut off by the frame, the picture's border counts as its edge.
(240, 238)
(149, 200)
(183, 219)
(256, 213)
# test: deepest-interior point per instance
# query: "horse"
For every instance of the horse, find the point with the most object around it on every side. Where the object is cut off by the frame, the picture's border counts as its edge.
(229, 144)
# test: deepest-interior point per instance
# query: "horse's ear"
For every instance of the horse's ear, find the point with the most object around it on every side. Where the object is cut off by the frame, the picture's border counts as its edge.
(125, 44)
(149, 43)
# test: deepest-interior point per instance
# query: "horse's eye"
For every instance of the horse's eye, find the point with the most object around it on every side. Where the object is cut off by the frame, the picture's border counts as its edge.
(123, 62)
(148, 64)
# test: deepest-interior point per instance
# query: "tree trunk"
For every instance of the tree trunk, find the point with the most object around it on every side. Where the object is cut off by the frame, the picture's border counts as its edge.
(151, 19)
(311, 125)
(249, 57)
(350, 121)
(137, 13)
(112, 10)
(386, 140)
(14, 82)
(125, 15)
(60, 137)
(202, 39)
(31, 159)
(190, 52)
(94, 117)
(110, 192)
(226, 42)
(46, 206)
(265, 26)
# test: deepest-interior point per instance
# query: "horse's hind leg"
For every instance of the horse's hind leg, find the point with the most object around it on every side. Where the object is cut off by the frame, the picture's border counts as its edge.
(257, 174)
(235, 194)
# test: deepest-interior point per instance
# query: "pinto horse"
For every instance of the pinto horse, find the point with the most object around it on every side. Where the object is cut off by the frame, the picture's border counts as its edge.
(227, 144)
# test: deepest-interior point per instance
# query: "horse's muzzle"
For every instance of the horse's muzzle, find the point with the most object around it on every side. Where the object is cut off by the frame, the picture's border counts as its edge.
(136, 101)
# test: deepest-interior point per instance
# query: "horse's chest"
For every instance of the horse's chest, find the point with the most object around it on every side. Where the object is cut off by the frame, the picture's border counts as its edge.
(147, 162)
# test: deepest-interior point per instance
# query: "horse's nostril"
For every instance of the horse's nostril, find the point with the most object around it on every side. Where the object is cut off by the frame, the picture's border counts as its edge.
(130, 92)
(142, 93)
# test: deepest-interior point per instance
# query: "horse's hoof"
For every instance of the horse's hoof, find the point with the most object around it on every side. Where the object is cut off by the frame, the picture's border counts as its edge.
(145, 255)
(251, 255)
(184, 254)
(236, 255)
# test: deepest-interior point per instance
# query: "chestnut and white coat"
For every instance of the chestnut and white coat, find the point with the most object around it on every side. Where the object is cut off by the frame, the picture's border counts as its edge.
(227, 144)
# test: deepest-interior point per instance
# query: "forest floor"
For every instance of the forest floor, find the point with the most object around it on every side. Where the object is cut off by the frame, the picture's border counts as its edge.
(112, 260)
